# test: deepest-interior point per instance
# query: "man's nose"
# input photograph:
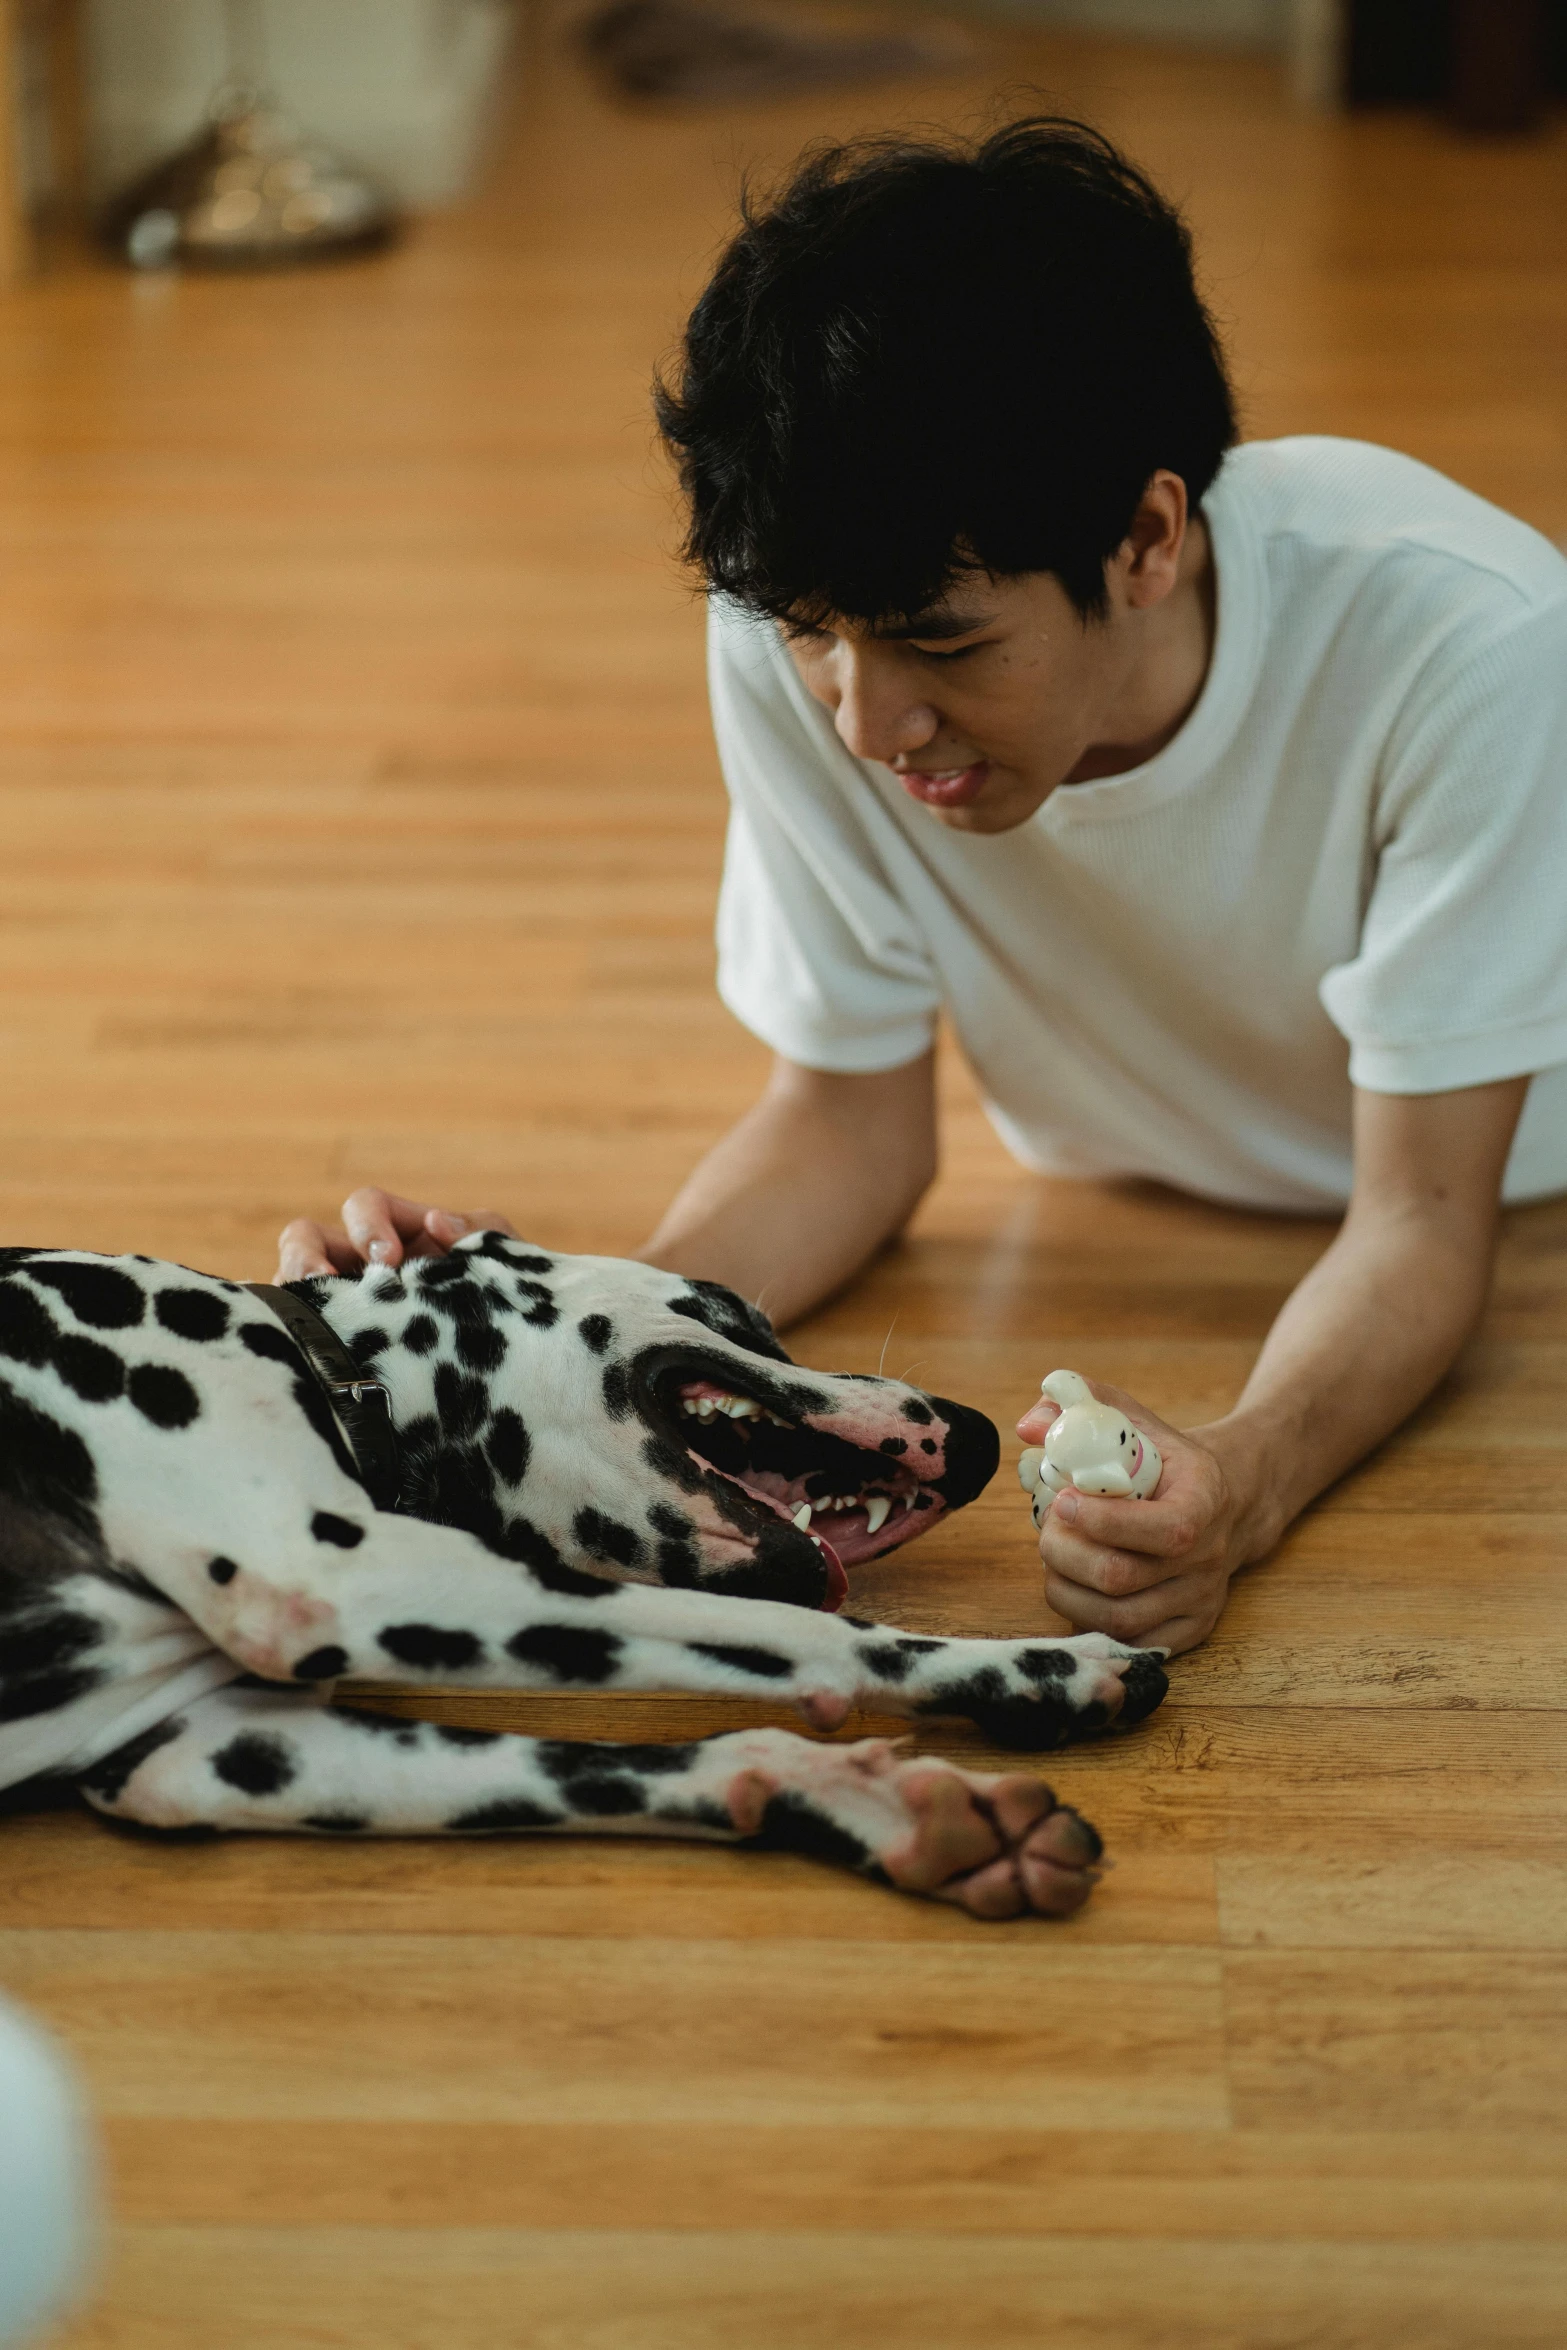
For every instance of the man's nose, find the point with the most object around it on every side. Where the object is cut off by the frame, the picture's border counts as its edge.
(878, 717)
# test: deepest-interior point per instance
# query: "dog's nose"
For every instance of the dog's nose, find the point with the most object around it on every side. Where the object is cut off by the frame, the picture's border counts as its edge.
(973, 1451)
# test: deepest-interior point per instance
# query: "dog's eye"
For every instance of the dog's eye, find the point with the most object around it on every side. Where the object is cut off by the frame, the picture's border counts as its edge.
(1123, 1435)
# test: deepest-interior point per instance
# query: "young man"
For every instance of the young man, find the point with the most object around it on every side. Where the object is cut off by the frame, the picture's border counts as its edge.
(1218, 794)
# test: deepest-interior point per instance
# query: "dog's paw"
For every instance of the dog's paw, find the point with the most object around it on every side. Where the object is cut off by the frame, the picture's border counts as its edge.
(1034, 1696)
(996, 1844)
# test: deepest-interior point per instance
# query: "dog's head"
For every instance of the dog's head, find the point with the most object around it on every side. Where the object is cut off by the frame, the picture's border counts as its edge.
(589, 1414)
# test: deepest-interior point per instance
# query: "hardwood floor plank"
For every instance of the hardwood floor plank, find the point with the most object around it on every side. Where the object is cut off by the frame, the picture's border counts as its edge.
(1419, 2186)
(468, 2289)
(512, 2028)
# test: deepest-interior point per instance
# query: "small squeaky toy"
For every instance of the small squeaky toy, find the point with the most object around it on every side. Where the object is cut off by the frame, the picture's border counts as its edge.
(1091, 1445)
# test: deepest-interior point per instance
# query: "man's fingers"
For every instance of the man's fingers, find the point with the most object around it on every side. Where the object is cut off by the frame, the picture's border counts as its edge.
(306, 1250)
(1141, 1621)
(1037, 1421)
(381, 1225)
(1162, 1528)
(1115, 1573)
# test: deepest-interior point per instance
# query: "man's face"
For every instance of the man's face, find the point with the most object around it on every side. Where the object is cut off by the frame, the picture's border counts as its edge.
(985, 704)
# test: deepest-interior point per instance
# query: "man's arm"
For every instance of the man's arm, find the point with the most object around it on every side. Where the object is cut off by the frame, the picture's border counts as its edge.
(1360, 1342)
(806, 1187)
(785, 1209)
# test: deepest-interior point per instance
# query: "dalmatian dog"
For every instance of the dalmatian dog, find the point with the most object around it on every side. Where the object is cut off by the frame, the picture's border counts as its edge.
(602, 1476)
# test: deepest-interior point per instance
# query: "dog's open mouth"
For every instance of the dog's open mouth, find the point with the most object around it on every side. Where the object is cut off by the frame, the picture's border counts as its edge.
(854, 1503)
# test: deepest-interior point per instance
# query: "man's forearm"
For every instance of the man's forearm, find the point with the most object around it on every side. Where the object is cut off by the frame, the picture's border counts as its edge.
(1360, 1343)
(805, 1188)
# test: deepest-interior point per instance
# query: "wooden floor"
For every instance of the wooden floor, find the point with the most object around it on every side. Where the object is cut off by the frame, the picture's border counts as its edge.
(360, 820)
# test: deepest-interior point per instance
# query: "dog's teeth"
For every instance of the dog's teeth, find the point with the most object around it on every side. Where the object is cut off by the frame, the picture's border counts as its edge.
(741, 1407)
(704, 1409)
(688, 1406)
(876, 1512)
(802, 1517)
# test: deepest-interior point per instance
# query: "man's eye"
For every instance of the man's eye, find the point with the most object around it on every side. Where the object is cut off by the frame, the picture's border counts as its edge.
(947, 652)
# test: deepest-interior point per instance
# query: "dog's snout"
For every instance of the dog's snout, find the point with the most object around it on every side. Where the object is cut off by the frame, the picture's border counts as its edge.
(973, 1452)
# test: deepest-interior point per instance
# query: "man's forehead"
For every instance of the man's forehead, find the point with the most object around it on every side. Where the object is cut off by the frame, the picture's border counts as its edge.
(953, 616)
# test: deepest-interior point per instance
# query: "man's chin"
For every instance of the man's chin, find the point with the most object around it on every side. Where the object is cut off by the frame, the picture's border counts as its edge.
(1000, 809)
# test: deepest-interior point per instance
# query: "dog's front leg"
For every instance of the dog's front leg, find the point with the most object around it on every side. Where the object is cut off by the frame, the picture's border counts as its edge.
(246, 1759)
(416, 1603)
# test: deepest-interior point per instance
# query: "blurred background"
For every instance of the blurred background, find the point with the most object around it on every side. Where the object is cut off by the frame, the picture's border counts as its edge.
(358, 813)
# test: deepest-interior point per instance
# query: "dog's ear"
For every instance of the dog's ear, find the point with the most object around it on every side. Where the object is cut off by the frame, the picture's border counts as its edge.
(730, 1316)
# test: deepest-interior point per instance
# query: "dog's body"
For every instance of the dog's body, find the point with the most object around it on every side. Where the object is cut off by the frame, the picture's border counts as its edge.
(609, 1480)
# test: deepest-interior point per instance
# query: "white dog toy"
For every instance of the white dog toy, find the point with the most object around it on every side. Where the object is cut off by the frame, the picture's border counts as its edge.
(1091, 1446)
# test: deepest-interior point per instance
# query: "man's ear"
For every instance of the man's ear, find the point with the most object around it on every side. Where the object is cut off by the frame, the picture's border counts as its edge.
(1148, 560)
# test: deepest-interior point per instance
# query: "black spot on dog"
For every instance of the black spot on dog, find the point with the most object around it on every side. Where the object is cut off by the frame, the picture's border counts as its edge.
(27, 1334)
(14, 1256)
(480, 1346)
(668, 1461)
(617, 1391)
(885, 1658)
(48, 1693)
(397, 1727)
(569, 1651)
(606, 1538)
(341, 1532)
(322, 1664)
(256, 1763)
(540, 1309)
(95, 1373)
(271, 1343)
(46, 1466)
(1027, 1725)
(222, 1570)
(679, 1565)
(336, 1823)
(926, 1445)
(1146, 1684)
(459, 1734)
(912, 1646)
(365, 1345)
(191, 1313)
(462, 1403)
(893, 1445)
(389, 1290)
(533, 1549)
(1041, 1665)
(567, 1759)
(920, 1413)
(47, 1642)
(421, 1333)
(765, 1663)
(596, 1331)
(108, 1776)
(431, 1648)
(441, 1272)
(665, 1520)
(163, 1395)
(729, 1316)
(511, 1812)
(611, 1797)
(790, 1824)
(507, 1446)
(100, 1295)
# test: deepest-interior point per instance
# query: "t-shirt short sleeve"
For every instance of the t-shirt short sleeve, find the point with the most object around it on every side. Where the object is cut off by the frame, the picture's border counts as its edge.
(1460, 977)
(816, 953)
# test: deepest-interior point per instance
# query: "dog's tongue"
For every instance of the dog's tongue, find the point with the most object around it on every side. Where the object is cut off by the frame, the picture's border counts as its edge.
(837, 1580)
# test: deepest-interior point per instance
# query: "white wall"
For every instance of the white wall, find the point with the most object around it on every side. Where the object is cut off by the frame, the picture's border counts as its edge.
(404, 87)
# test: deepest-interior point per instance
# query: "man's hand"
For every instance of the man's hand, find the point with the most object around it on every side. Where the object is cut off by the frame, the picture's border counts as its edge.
(1364, 1338)
(1154, 1573)
(378, 1228)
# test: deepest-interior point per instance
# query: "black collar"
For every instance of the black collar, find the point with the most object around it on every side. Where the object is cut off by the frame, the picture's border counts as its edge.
(359, 1401)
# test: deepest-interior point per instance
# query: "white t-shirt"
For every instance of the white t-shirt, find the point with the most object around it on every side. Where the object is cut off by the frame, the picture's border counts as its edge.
(1348, 867)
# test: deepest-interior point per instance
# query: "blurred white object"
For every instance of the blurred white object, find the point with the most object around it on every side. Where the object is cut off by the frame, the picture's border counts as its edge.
(48, 2183)
(1319, 34)
(404, 87)
(1091, 1446)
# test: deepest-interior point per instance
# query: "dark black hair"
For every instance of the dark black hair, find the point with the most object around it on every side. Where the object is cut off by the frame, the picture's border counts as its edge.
(923, 358)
